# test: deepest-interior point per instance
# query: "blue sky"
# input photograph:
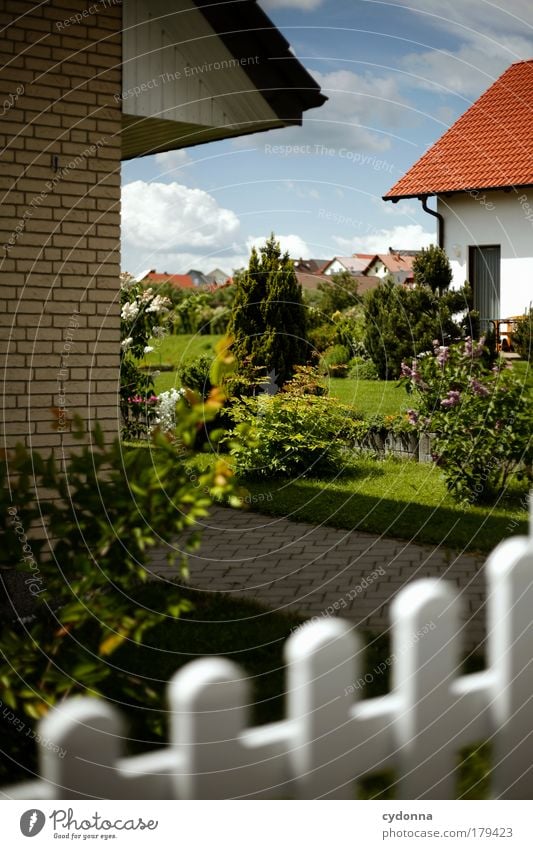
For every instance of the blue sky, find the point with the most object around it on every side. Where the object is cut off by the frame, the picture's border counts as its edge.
(397, 74)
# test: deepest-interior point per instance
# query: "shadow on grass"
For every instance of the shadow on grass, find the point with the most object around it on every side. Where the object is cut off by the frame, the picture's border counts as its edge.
(478, 528)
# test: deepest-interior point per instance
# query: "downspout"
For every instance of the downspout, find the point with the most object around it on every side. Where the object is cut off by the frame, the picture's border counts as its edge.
(438, 216)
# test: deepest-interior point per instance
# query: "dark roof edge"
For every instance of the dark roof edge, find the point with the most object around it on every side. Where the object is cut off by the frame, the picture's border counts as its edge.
(442, 193)
(252, 33)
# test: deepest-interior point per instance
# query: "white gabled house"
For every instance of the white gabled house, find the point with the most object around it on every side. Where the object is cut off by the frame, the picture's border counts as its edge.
(481, 173)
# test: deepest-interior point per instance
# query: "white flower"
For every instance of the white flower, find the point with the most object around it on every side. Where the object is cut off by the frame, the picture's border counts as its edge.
(147, 296)
(166, 409)
(159, 304)
(126, 343)
(159, 332)
(130, 311)
(127, 281)
(148, 349)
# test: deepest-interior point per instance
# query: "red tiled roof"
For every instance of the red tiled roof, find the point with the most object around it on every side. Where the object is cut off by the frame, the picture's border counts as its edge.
(396, 262)
(488, 147)
(181, 281)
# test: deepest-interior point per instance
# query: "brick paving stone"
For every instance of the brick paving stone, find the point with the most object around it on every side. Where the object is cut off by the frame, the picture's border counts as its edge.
(299, 566)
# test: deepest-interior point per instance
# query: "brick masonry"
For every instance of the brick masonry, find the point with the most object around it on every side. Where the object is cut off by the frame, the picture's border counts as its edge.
(321, 571)
(59, 216)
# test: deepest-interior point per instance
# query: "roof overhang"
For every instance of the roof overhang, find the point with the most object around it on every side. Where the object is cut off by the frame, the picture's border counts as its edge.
(196, 71)
(447, 192)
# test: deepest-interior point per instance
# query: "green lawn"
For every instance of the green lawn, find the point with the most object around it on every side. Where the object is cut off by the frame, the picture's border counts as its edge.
(393, 497)
(370, 397)
(175, 351)
(397, 498)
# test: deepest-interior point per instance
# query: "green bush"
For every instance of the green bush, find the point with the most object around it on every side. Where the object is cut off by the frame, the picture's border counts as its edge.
(337, 355)
(522, 336)
(322, 337)
(196, 374)
(339, 293)
(480, 418)
(268, 317)
(106, 510)
(401, 323)
(362, 368)
(291, 434)
(432, 268)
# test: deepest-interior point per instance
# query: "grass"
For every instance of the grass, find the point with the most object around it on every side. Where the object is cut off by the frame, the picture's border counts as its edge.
(393, 497)
(174, 351)
(253, 637)
(370, 397)
(396, 498)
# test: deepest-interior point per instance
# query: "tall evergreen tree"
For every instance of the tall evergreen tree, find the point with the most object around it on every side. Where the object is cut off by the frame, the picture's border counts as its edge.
(267, 321)
(432, 268)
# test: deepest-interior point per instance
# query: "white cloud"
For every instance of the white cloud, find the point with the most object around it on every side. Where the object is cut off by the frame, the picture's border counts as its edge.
(294, 245)
(513, 16)
(307, 5)
(180, 262)
(403, 237)
(171, 159)
(490, 39)
(398, 210)
(361, 114)
(301, 191)
(167, 217)
(470, 69)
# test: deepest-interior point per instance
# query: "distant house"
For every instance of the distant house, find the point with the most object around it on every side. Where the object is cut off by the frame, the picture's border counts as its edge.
(310, 266)
(217, 277)
(395, 264)
(179, 281)
(198, 277)
(355, 264)
(312, 281)
(481, 173)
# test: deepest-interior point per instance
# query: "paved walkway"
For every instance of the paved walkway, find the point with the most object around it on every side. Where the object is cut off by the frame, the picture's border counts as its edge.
(322, 570)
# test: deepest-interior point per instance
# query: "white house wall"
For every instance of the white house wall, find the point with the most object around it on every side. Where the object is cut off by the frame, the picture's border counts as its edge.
(493, 218)
(335, 268)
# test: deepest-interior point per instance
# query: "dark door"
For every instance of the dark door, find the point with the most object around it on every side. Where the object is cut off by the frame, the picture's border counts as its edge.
(484, 276)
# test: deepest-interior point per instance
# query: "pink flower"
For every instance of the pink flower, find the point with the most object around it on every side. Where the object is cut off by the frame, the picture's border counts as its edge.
(453, 399)
(443, 354)
(478, 388)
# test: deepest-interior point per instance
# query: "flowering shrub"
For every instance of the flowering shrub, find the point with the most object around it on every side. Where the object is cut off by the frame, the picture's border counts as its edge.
(165, 412)
(291, 433)
(143, 317)
(480, 418)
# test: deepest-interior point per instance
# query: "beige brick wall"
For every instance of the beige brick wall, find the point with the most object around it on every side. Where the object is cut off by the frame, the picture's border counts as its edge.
(59, 215)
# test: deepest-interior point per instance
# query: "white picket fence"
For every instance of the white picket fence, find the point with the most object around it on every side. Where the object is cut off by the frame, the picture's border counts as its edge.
(328, 739)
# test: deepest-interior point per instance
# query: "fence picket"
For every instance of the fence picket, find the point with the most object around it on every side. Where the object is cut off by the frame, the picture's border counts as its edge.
(329, 738)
